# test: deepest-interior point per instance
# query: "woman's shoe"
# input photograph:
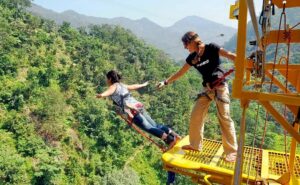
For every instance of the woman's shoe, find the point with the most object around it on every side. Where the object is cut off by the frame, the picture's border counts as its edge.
(172, 144)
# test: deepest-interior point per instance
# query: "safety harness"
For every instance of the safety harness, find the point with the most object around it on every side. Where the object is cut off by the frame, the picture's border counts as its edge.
(214, 85)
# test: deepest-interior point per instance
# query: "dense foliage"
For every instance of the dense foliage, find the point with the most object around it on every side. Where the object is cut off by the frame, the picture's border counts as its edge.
(52, 128)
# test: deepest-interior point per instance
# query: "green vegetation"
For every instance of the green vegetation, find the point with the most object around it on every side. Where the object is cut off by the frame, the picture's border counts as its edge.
(52, 128)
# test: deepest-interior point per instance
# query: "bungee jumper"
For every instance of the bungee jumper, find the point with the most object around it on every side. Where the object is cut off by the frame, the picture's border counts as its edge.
(134, 113)
(132, 110)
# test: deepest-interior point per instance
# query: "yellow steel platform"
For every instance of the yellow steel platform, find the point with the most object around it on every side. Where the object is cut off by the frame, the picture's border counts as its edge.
(209, 164)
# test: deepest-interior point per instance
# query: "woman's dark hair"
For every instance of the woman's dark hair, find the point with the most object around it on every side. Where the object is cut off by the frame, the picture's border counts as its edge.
(189, 37)
(113, 76)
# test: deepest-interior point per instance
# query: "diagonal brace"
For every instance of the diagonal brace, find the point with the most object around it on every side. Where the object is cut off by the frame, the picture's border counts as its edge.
(281, 120)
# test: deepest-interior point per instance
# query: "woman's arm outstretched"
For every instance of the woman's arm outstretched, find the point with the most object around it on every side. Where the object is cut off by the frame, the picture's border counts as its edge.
(108, 92)
(136, 86)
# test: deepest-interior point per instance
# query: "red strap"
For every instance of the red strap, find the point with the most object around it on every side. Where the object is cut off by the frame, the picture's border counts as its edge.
(220, 80)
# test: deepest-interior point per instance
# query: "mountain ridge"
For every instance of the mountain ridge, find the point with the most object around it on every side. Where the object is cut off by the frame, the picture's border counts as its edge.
(164, 38)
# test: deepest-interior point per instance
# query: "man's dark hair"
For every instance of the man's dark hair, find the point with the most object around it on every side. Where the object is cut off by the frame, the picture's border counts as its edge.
(189, 37)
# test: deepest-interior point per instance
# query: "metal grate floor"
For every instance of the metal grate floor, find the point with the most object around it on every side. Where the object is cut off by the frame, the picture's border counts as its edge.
(256, 162)
(278, 164)
(209, 150)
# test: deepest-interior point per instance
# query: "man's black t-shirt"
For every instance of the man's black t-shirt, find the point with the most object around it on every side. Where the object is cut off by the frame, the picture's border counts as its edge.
(208, 64)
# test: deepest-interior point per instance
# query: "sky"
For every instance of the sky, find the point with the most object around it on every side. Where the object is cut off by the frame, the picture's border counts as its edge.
(163, 12)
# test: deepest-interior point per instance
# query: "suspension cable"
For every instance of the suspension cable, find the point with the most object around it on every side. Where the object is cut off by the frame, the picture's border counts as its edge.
(252, 147)
(288, 35)
(295, 25)
(282, 16)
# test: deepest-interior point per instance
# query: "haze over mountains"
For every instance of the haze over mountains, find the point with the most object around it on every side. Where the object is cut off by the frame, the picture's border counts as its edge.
(165, 38)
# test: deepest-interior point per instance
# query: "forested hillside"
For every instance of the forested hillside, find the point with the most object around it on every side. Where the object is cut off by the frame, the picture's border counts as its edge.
(52, 128)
